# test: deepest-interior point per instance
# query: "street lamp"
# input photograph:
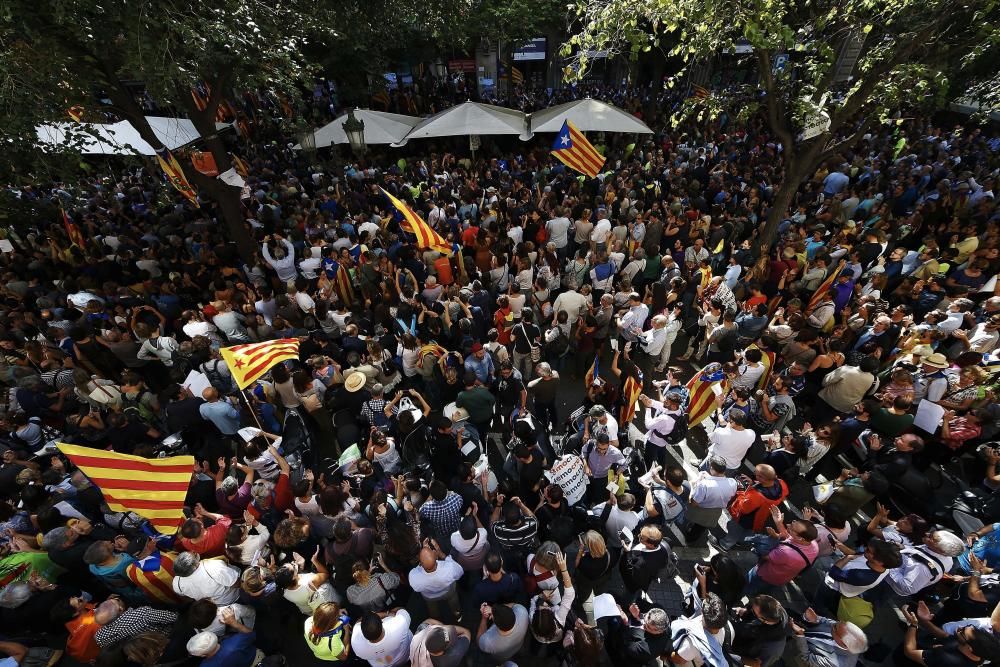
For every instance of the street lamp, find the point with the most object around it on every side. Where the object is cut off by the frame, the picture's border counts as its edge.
(307, 140)
(355, 131)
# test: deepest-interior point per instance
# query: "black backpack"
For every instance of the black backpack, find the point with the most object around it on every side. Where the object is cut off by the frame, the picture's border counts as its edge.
(680, 430)
(558, 347)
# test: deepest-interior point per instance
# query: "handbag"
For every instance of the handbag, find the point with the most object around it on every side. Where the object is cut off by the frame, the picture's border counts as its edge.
(855, 610)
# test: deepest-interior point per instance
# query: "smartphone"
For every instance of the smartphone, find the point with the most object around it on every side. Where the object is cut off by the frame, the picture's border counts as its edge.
(614, 344)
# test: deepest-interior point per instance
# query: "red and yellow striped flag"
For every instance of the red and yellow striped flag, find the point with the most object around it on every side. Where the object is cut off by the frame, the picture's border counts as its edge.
(631, 389)
(413, 223)
(152, 488)
(824, 287)
(573, 150)
(72, 231)
(249, 361)
(767, 361)
(700, 92)
(239, 165)
(516, 77)
(75, 112)
(701, 390)
(170, 167)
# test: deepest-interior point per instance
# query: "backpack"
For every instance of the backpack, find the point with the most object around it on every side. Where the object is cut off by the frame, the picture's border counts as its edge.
(558, 346)
(680, 430)
(530, 580)
(223, 384)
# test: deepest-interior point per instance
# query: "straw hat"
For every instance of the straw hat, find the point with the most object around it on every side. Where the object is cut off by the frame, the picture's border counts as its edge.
(355, 381)
(936, 360)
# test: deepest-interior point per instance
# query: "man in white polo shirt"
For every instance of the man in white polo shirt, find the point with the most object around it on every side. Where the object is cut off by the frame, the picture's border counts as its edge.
(731, 441)
(435, 578)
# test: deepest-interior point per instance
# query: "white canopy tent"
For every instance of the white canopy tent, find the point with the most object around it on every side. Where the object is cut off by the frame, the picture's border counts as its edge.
(471, 118)
(380, 128)
(120, 138)
(588, 116)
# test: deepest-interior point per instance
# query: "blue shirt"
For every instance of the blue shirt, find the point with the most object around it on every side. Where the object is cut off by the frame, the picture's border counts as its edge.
(221, 413)
(483, 368)
(235, 651)
(986, 548)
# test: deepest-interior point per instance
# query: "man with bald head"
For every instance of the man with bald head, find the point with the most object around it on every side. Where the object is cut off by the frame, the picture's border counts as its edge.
(222, 413)
(752, 507)
(435, 578)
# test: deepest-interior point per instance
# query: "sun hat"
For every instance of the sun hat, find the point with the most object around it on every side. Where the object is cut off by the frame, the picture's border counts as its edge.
(355, 381)
(936, 360)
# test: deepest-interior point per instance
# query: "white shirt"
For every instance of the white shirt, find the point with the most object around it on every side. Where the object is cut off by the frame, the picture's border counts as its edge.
(433, 585)
(730, 444)
(392, 649)
(309, 267)
(601, 231)
(631, 322)
(192, 329)
(654, 339)
(213, 580)
(557, 228)
(617, 519)
(749, 375)
(660, 427)
(854, 590)
(711, 492)
(952, 323)
(913, 575)
(305, 302)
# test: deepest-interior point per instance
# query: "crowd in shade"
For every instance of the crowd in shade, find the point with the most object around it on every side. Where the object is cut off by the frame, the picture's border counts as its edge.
(594, 395)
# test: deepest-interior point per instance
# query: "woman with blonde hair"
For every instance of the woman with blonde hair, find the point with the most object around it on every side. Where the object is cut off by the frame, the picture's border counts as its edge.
(328, 632)
(593, 569)
(371, 590)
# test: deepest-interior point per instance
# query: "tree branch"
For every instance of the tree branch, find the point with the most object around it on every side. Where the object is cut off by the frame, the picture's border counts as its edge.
(776, 117)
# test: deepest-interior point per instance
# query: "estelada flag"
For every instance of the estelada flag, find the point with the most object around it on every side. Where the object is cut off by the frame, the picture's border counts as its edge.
(573, 150)
(824, 287)
(701, 389)
(249, 361)
(152, 488)
(170, 167)
(413, 223)
(72, 231)
(631, 389)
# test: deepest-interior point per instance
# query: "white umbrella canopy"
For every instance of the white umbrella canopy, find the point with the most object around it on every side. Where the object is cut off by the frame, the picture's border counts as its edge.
(380, 128)
(589, 116)
(471, 118)
(121, 138)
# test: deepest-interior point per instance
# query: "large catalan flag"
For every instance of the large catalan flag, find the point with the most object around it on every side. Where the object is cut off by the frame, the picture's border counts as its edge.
(413, 223)
(516, 77)
(573, 150)
(152, 488)
(702, 393)
(631, 389)
(170, 167)
(72, 231)
(249, 361)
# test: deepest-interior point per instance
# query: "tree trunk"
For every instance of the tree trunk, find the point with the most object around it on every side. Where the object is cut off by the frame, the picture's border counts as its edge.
(794, 175)
(227, 196)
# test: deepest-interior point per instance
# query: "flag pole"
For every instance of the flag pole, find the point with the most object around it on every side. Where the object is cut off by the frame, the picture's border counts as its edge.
(246, 399)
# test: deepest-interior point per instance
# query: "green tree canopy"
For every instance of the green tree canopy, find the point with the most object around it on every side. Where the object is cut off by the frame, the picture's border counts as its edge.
(909, 51)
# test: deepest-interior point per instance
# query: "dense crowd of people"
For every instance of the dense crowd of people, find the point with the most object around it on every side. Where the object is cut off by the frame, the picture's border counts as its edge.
(491, 456)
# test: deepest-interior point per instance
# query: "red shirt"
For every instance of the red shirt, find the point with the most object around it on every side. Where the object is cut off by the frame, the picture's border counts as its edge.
(469, 236)
(282, 497)
(502, 319)
(213, 539)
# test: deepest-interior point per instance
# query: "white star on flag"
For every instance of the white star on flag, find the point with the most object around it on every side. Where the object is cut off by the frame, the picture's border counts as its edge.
(564, 139)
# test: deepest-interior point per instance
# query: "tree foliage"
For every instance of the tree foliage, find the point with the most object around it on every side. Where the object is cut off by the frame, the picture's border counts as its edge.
(911, 50)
